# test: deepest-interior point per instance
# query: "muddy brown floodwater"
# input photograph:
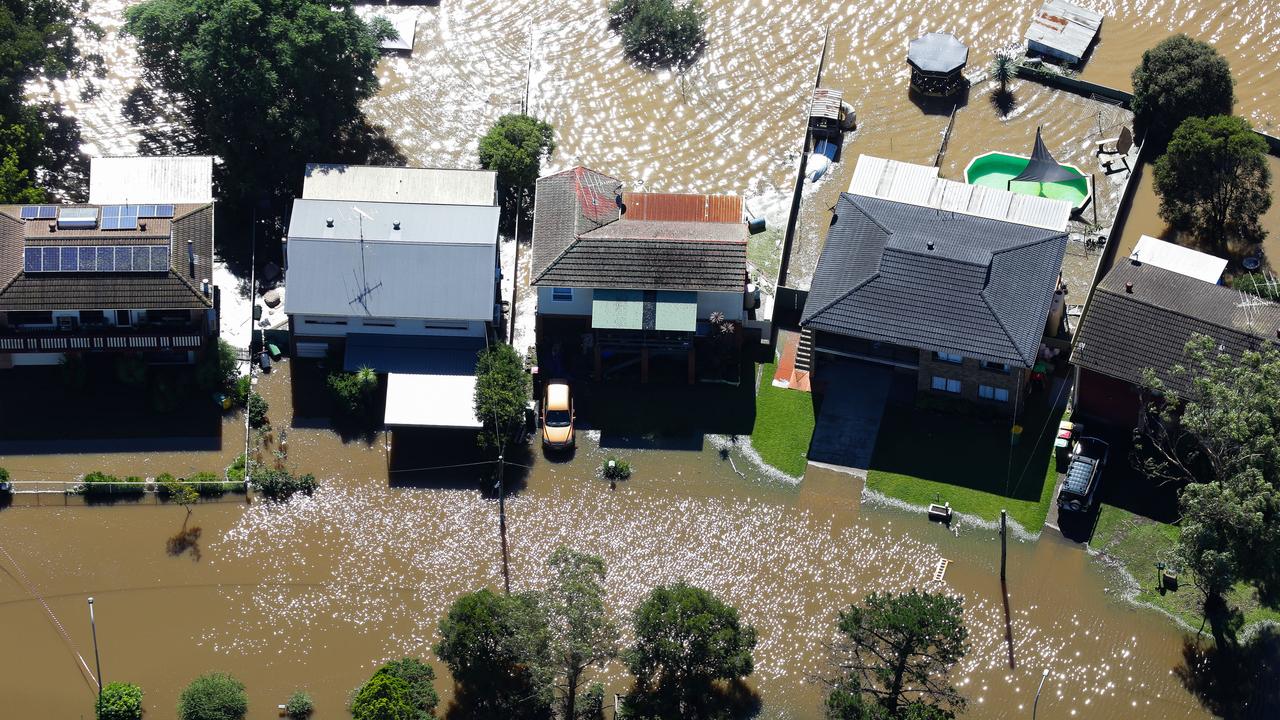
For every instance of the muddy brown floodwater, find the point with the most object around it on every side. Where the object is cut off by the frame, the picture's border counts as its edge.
(313, 594)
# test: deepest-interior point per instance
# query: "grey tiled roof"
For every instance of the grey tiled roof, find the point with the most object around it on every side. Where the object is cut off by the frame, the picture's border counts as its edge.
(1124, 333)
(578, 241)
(982, 290)
(177, 289)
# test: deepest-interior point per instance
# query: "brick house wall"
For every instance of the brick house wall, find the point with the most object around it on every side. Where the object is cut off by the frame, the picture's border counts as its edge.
(972, 375)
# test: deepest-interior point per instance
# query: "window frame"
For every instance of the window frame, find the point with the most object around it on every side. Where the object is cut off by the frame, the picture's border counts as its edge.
(948, 357)
(558, 292)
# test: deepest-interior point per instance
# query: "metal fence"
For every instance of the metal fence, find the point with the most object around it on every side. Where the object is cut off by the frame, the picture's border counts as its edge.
(70, 493)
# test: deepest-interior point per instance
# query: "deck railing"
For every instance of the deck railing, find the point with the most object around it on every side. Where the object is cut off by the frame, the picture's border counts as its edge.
(84, 338)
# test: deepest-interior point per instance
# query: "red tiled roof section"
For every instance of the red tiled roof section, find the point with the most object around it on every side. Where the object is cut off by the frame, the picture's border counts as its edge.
(683, 207)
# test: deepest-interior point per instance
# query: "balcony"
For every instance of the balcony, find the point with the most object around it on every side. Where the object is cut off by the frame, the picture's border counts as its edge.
(106, 338)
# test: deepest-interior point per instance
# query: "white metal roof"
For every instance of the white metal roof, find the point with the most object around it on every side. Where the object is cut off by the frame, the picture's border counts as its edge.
(920, 185)
(415, 400)
(399, 184)
(1179, 259)
(1064, 27)
(406, 27)
(826, 103)
(124, 180)
(439, 264)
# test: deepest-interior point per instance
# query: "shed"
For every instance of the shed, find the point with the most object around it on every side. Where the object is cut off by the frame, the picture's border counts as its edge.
(1063, 30)
(936, 61)
(402, 42)
(1182, 260)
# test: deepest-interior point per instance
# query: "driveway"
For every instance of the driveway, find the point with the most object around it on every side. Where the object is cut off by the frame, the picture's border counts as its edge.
(847, 425)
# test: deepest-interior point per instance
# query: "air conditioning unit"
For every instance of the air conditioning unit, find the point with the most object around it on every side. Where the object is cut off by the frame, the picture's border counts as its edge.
(66, 323)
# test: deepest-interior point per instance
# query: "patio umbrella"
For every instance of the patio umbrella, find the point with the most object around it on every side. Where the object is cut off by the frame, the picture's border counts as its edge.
(1042, 168)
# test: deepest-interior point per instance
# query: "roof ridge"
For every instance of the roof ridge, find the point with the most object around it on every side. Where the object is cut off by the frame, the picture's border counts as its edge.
(1173, 311)
(207, 302)
(1004, 328)
(840, 298)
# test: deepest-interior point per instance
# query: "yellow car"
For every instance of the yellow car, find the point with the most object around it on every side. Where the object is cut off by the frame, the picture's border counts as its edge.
(557, 415)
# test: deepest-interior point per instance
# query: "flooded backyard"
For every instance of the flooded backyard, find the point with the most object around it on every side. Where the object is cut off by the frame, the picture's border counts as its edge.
(314, 593)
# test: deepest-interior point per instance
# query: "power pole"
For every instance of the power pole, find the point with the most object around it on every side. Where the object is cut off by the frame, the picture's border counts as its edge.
(502, 526)
(253, 292)
(93, 626)
(1004, 541)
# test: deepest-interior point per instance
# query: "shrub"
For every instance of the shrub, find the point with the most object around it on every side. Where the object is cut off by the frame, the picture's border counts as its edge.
(120, 701)
(131, 370)
(257, 409)
(217, 367)
(281, 485)
(208, 484)
(1257, 284)
(615, 469)
(98, 483)
(5, 488)
(299, 706)
(240, 391)
(216, 696)
(660, 33)
(353, 393)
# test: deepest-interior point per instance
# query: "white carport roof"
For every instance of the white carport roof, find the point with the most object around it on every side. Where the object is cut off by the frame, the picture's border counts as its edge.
(431, 380)
(445, 401)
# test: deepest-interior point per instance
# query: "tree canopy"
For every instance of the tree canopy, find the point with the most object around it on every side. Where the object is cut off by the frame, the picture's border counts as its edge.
(267, 85)
(498, 650)
(514, 148)
(418, 693)
(686, 639)
(660, 33)
(1220, 437)
(216, 696)
(502, 391)
(895, 655)
(582, 635)
(1177, 79)
(120, 701)
(1214, 180)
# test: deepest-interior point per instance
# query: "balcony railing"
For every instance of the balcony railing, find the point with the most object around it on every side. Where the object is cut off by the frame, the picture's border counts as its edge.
(88, 337)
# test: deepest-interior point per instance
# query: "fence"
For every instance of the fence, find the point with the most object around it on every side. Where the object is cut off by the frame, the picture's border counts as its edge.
(64, 493)
(1072, 84)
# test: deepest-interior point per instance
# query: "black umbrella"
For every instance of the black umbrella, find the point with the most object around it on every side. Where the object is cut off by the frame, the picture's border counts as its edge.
(1042, 168)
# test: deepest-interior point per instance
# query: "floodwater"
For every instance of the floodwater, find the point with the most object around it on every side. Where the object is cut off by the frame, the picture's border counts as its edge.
(313, 594)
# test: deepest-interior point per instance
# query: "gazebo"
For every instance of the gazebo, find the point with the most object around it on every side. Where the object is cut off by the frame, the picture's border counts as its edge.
(936, 61)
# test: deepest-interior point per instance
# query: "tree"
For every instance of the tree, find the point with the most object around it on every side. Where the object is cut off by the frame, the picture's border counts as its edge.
(218, 367)
(498, 649)
(419, 689)
(1216, 432)
(266, 85)
(1214, 180)
(582, 635)
(514, 148)
(257, 409)
(216, 696)
(353, 393)
(299, 706)
(120, 701)
(179, 492)
(660, 33)
(17, 185)
(1177, 79)
(686, 639)
(502, 391)
(895, 654)
(384, 697)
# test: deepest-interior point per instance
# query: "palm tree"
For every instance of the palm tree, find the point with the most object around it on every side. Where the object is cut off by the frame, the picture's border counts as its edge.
(1002, 70)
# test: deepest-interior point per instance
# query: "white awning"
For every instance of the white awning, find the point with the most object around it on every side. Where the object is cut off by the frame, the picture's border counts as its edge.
(416, 400)
(1183, 260)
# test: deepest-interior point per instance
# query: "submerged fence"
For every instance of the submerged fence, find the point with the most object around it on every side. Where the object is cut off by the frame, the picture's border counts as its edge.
(65, 493)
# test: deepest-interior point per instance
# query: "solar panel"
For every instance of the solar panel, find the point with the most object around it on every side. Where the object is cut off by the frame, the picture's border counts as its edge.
(38, 212)
(88, 260)
(164, 211)
(106, 259)
(70, 260)
(120, 217)
(50, 258)
(159, 258)
(31, 260)
(124, 259)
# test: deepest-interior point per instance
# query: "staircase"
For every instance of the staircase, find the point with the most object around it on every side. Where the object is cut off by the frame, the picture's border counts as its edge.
(804, 351)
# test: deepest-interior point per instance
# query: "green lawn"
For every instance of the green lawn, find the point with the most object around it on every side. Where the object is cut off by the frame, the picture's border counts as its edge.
(1138, 543)
(784, 424)
(925, 456)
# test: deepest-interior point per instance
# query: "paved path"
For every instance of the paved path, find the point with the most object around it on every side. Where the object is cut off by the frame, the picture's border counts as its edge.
(850, 417)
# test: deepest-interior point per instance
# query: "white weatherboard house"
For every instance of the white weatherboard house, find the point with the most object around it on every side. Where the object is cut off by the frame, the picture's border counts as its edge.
(406, 287)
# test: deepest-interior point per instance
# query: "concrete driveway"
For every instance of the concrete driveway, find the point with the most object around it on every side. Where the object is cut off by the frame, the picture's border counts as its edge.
(847, 425)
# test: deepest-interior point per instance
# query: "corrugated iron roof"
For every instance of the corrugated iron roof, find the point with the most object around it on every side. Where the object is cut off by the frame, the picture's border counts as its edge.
(326, 181)
(121, 180)
(826, 103)
(1065, 27)
(689, 207)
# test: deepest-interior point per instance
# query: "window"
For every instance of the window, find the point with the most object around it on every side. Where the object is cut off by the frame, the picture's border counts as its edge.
(324, 321)
(93, 317)
(122, 318)
(562, 294)
(432, 325)
(986, 392)
(368, 322)
(995, 367)
(948, 357)
(945, 384)
(30, 318)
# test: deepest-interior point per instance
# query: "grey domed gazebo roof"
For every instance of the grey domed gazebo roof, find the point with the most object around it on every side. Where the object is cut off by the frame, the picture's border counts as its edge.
(937, 53)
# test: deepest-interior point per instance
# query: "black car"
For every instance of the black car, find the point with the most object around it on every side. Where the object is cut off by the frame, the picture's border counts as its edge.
(1084, 472)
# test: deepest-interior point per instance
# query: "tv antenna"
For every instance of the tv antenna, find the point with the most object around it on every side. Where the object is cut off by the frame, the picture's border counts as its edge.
(362, 297)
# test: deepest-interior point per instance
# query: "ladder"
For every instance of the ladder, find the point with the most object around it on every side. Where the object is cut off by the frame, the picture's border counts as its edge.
(804, 351)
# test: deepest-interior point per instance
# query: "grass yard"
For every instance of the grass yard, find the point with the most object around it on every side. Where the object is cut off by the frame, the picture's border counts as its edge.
(784, 425)
(1138, 543)
(925, 456)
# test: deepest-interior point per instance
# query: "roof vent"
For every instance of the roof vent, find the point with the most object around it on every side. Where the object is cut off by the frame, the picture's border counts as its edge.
(930, 244)
(328, 222)
(53, 227)
(1128, 287)
(395, 225)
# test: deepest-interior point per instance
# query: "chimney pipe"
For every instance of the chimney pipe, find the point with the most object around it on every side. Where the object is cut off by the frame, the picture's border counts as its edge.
(395, 225)
(1128, 287)
(204, 287)
(930, 244)
(328, 222)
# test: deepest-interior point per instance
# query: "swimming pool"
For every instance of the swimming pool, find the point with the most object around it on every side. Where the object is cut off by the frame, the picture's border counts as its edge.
(995, 169)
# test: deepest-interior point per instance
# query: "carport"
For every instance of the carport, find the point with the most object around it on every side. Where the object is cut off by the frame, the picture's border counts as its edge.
(431, 381)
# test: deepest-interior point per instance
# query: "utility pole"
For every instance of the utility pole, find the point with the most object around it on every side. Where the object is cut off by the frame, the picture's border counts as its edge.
(253, 293)
(93, 626)
(1036, 704)
(1004, 541)
(502, 526)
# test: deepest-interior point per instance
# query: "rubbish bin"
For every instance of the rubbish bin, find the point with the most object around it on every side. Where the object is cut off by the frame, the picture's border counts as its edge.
(1015, 435)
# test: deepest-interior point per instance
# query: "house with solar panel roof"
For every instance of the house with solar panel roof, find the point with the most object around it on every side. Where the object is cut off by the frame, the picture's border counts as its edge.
(127, 272)
(638, 279)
